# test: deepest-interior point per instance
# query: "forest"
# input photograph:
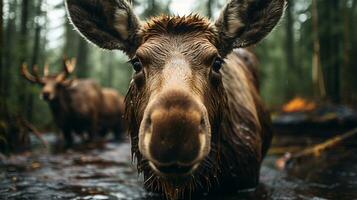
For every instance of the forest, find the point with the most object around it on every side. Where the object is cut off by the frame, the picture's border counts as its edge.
(309, 56)
(304, 56)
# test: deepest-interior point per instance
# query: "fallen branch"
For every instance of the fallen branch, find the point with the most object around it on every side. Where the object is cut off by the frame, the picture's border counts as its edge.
(33, 130)
(283, 150)
(316, 150)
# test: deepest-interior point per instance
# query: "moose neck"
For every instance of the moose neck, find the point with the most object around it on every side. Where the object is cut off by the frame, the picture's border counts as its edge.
(60, 104)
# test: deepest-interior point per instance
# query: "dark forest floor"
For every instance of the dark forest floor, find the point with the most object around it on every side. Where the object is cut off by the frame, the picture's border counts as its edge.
(107, 173)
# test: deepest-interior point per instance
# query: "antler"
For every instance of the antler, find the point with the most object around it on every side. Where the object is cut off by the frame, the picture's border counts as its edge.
(34, 77)
(68, 68)
(46, 70)
(69, 65)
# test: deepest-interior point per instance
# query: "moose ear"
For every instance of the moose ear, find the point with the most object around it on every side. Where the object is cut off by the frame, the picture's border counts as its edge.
(110, 24)
(245, 22)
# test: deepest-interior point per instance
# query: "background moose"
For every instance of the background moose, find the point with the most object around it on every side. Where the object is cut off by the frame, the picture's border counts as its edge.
(79, 106)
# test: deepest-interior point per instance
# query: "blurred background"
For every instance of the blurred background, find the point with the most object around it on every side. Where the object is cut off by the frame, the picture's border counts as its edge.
(311, 54)
(308, 68)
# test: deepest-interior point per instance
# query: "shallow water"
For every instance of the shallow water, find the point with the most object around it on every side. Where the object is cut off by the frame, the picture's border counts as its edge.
(107, 173)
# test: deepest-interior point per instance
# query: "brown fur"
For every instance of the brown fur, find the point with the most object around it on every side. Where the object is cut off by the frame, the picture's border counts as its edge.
(175, 61)
(80, 105)
(112, 113)
(193, 24)
(240, 125)
(256, 20)
(104, 35)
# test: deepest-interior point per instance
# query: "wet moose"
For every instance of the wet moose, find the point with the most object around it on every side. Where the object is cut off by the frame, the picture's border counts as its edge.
(196, 120)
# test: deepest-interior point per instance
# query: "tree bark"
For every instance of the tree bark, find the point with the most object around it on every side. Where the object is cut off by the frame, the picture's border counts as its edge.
(353, 52)
(34, 59)
(335, 51)
(23, 93)
(290, 35)
(82, 59)
(346, 71)
(38, 29)
(24, 30)
(71, 40)
(331, 42)
(2, 88)
(1, 40)
(110, 73)
(9, 41)
(290, 50)
(317, 75)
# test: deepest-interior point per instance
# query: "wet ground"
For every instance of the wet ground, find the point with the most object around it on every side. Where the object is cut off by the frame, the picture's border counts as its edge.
(107, 173)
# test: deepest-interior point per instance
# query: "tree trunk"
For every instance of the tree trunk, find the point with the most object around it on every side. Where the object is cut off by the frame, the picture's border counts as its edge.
(346, 91)
(82, 59)
(353, 60)
(209, 9)
(331, 41)
(151, 10)
(152, 7)
(34, 59)
(317, 76)
(290, 35)
(23, 93)
(9, 41)
(71, 40)
(2, 88)
(38, 29)
(111, 72)
(335, 52)
(1, 42)
(289, 46)
(24, 30)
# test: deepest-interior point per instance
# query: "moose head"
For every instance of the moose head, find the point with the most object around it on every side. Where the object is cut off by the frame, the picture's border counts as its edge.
(177, 98)
(50, 83)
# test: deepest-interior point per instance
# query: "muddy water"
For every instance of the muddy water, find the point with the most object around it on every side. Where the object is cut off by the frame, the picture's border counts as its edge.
(107, 173)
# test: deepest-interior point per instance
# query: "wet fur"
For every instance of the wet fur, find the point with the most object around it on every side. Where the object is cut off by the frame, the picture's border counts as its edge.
(252, 20)
(240, 125)
(91, 19)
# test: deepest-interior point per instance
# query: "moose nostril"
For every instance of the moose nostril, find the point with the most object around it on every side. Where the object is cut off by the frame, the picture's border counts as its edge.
(202, 122)
(176, 134)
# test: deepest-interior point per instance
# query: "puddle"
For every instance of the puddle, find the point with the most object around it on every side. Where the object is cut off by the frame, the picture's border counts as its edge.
(108, 173)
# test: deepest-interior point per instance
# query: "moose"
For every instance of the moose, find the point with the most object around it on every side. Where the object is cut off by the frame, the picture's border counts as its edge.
(79, 106)
(196, 121)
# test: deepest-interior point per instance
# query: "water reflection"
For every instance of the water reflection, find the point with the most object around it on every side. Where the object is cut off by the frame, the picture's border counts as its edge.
(107, 173)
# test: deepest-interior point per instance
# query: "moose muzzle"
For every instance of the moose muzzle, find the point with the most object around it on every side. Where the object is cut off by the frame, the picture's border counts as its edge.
(175, 133)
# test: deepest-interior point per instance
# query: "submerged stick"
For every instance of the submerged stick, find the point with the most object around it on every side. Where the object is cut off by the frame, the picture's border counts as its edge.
(315, 151)
(34, 131)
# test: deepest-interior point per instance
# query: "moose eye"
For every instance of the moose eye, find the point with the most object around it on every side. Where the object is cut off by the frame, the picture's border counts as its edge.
(217, 64)
(136, 64)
